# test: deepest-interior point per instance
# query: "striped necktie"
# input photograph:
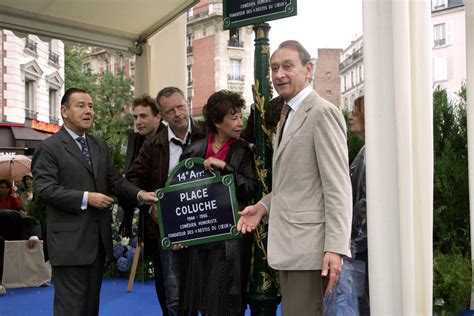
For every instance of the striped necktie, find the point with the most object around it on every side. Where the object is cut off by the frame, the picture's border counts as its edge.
(85, 149)
(285, 111)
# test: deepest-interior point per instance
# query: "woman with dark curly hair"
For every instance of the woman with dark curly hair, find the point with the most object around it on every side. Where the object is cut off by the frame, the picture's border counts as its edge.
(217, 273)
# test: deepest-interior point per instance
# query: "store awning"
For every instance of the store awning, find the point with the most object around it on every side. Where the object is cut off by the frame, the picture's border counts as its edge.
(27, 137)
(118, 24)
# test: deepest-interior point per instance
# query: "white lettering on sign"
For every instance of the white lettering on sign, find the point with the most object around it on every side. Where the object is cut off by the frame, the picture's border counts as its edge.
(196, 207)
(193, 195)
(248, 4)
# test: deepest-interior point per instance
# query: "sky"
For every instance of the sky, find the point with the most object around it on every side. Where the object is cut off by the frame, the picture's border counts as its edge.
(320, 24)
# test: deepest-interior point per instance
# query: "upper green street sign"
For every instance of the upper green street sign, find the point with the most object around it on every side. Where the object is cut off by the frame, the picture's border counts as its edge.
(239, 13)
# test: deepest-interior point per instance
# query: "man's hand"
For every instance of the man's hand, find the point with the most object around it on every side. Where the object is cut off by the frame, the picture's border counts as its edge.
(250, 217)
(32, 242)
(99, 200)
(148, 197)
(332, 263)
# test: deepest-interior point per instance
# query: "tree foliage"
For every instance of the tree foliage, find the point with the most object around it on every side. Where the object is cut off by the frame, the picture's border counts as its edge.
(451, 193)
(452, 269)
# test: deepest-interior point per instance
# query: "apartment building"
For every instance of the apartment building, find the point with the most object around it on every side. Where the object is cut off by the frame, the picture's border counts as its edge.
(216, 59)
(352, 73)
(32, 83)
(449, 45)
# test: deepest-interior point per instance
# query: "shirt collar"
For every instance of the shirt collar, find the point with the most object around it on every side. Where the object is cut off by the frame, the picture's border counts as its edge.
(296, 101)
(172, 135)
(73, 135)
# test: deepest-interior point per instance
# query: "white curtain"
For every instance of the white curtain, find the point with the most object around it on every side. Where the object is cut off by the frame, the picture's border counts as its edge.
(470, 120)
(399, 138)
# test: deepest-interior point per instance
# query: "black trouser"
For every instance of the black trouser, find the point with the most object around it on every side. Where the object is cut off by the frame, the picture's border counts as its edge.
(77, 288)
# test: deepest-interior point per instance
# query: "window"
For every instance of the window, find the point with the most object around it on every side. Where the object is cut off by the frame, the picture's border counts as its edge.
(190, 75)
(30, 112)
(439, 35)
(234, 38)
(189, 40)
(442, 34)
(360, 74)
(53, 106)
(53, 52)
(440, 69)
(189, 43)
(106, 65)
(438, 4)
(31, 44)
(122, 63)
(87, 68)
(234, 73)
(352, 79)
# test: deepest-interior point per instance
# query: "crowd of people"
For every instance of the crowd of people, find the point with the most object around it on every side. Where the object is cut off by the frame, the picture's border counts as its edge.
(316, 211)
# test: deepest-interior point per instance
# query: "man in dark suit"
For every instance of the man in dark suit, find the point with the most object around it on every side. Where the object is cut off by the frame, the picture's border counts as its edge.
(75, 177)
(158, 157)
(148, 123)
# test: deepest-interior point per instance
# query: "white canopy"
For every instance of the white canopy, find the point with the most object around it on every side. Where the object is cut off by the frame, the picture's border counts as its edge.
(114, 24)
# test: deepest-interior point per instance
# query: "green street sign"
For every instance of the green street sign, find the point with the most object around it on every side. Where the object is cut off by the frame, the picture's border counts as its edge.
(239, 13)
(196, 206)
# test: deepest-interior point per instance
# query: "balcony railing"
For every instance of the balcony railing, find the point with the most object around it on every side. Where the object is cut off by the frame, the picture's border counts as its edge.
(197, 15)
(54, 57)
(31, 45)
(189, 50)
(54, 120)
(235, 43)
(439, 42)
(31, 115)
(235, 77)
(190, 82)
(349, 60)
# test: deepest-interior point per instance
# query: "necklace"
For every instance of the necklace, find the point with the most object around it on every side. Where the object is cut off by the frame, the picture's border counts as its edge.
(216, 146)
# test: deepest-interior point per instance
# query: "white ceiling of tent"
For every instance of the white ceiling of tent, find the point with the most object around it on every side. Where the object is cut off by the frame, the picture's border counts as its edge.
(113, 24)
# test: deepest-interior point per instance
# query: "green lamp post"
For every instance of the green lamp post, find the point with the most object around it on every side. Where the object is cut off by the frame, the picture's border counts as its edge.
(264, 295)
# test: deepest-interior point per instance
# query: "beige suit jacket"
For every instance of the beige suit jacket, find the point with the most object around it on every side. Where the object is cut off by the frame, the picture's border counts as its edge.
(310, 202)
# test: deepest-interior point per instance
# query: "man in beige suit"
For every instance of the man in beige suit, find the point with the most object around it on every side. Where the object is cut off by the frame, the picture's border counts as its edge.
(309, 208)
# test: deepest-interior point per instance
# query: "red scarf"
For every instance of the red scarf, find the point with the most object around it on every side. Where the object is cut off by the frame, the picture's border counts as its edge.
(222, 152)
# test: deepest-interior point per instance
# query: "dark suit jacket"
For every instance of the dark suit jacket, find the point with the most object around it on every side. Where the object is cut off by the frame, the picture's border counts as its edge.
(61, 175)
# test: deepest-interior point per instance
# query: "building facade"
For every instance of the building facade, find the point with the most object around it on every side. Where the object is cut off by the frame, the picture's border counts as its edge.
(32, 84)
(327, 81)
(449, 45)
(216, 59)
(352, 73)
(100, 60)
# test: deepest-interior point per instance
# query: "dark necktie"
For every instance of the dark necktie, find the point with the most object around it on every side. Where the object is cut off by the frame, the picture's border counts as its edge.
(285, 111)
(85, 149)
(179, 143)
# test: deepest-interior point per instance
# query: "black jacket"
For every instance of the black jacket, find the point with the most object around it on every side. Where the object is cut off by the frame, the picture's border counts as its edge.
(239, 161)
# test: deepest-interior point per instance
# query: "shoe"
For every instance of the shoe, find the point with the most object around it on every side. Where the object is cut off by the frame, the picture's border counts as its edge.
(2, 290)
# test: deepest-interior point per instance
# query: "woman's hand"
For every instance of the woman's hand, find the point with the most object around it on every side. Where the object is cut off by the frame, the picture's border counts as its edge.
(212, 163)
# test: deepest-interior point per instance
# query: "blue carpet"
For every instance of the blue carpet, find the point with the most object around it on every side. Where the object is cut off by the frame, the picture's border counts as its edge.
(114, 300)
